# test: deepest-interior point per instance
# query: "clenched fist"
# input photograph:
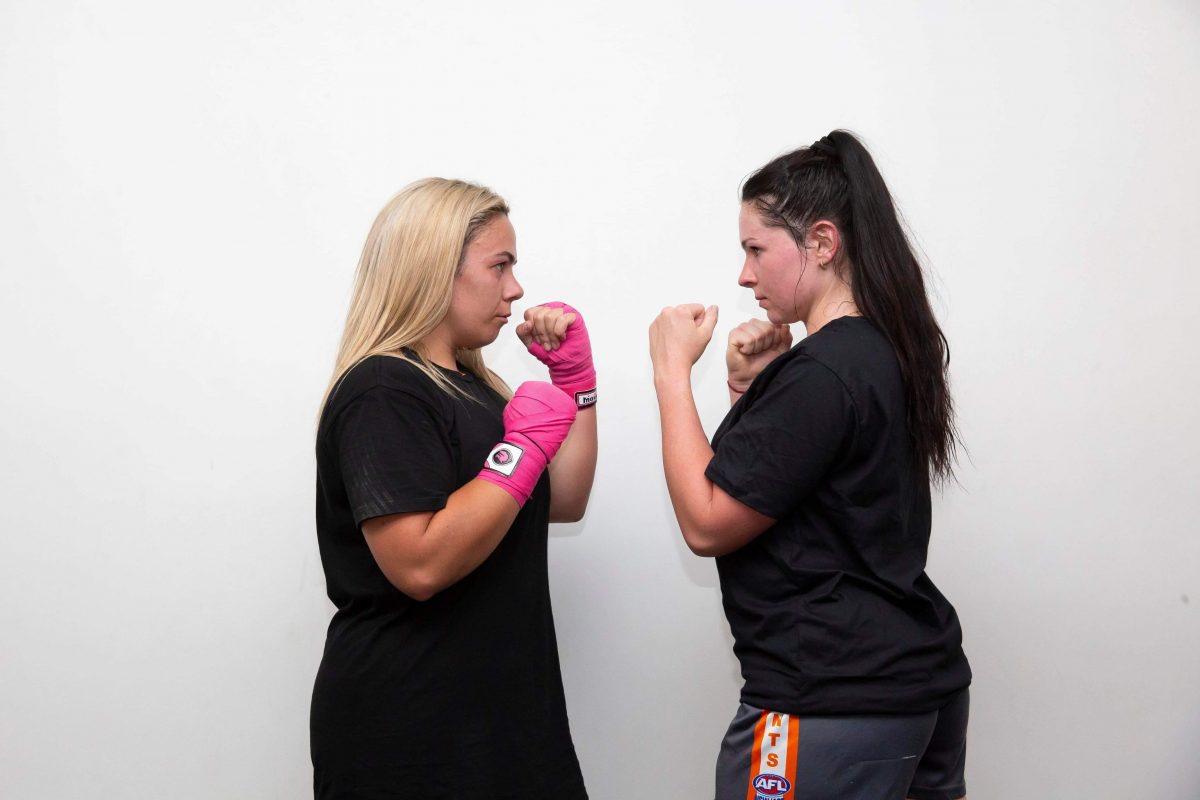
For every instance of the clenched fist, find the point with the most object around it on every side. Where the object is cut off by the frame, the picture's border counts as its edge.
(753, 345)
(678, 337)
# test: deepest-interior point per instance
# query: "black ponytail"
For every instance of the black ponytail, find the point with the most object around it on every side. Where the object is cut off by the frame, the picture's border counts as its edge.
(836, 180)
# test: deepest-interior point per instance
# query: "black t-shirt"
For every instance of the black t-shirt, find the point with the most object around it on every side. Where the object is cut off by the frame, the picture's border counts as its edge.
(830, 608)
(458, 696)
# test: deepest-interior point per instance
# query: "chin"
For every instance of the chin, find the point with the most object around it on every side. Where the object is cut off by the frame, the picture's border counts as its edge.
(483, 340)
(776, 317)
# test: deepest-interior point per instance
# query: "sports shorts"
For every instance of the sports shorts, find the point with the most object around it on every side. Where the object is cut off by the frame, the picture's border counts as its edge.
(772, 756)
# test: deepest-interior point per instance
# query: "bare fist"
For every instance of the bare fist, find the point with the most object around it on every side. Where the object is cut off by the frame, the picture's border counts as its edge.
(753, 345)
(678, 337)
(546, 325)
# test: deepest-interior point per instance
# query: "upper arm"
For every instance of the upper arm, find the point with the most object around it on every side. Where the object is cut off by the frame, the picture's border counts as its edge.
(731, 525)
(785, 443)
(397, 467)
(394, 454)
(395, 544)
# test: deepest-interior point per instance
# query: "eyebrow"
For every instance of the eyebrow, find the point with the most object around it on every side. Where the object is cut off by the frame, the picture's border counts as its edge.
(511, 258)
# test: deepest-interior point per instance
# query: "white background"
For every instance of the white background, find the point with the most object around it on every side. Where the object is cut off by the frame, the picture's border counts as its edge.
(184, 190)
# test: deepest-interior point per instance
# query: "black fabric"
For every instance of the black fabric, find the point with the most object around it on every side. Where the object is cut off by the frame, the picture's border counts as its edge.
(830, 608)
(941, 774)
(458, 696)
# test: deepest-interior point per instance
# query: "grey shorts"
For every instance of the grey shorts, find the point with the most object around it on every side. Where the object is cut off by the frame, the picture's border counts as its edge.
(770, 756)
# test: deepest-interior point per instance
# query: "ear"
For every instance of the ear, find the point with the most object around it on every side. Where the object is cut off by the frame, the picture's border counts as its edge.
(825, 241)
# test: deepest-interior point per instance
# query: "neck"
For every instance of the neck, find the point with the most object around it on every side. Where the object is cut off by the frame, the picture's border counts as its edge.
(437, 348)
(837, 302)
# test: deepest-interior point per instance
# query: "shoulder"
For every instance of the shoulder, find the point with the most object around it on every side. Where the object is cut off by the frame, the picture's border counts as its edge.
(853, 349)
(796, 388)
(377, 376)
(803, 369)
(845, 339)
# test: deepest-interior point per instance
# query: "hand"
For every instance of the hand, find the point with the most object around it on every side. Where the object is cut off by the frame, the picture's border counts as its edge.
(536, 422)
(678, 337)
(753, 345)
(556, 335)
(546, 326)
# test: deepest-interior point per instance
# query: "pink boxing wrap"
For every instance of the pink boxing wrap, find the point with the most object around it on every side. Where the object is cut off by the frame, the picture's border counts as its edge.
(536, 421)
(570, 363)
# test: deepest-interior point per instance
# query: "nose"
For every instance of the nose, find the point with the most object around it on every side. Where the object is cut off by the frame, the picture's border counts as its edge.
(746, 276)
(512, 289)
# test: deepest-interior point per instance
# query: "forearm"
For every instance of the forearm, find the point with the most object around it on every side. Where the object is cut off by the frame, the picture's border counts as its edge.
(464, 533)
(712, 522)
(573, 470)
(686, 454)
(422, 554)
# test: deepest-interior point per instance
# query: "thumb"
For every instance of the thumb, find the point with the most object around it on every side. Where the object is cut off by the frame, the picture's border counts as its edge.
(709, 320)
(523, 332)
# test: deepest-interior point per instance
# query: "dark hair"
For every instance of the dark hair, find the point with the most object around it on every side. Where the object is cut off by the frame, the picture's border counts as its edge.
(836, 179)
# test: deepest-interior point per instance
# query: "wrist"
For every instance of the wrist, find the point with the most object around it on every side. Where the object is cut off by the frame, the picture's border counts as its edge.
(579, 384)
(675, 379)
(515, 464)
(739, 381)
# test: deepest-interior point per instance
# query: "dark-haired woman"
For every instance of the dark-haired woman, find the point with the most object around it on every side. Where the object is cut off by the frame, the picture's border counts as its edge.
(814, 496)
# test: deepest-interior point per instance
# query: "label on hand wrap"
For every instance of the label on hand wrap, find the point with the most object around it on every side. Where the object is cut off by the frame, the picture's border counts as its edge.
(504, 459)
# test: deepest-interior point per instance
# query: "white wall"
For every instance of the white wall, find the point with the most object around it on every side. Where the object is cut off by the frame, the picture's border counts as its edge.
(183, 194)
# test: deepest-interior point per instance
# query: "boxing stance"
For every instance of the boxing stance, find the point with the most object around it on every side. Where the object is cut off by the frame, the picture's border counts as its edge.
(814, 494)
(435, 485)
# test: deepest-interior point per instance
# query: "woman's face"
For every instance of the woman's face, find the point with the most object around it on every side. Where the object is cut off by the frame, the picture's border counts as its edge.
(778, 271)
(485, 287)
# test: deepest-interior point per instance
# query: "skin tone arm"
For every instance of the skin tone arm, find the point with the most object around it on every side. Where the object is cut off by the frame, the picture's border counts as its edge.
(424, 552)
(753, 345)
(712, 522)
(574, 468)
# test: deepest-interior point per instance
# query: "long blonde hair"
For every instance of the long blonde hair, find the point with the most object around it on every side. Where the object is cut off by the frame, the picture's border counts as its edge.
(406, 274)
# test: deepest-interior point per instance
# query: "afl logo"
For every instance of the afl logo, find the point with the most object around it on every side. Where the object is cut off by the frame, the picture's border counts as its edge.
(768, 785)
(501, 457)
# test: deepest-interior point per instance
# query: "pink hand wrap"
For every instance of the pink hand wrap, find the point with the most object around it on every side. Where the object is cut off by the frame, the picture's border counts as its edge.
(570, 363)
(536, 421)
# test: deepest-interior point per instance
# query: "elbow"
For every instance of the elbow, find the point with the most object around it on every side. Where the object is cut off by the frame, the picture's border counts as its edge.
(573, 514)
(706, 550)
(418, 584)
(570, 511)
(701, 542)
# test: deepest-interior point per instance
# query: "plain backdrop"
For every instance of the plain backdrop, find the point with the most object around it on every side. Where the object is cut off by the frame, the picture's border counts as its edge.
(184, 190)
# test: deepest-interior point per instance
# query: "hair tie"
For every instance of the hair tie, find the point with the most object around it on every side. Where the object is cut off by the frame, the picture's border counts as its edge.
(825, 145)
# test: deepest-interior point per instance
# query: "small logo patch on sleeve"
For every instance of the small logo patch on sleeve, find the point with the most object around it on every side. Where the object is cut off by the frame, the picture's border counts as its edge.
(504, 459)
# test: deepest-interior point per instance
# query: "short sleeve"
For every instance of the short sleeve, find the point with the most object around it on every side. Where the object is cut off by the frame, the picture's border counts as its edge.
(786, 441)
(394, 454)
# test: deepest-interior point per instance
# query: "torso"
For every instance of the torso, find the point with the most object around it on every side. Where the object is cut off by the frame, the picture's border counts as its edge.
(459, 694)
(831, 610)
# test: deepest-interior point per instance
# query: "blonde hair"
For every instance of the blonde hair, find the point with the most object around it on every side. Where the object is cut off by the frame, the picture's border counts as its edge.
(405, 277)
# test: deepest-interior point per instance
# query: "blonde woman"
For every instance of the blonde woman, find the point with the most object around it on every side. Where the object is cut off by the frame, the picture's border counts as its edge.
(435, 484)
